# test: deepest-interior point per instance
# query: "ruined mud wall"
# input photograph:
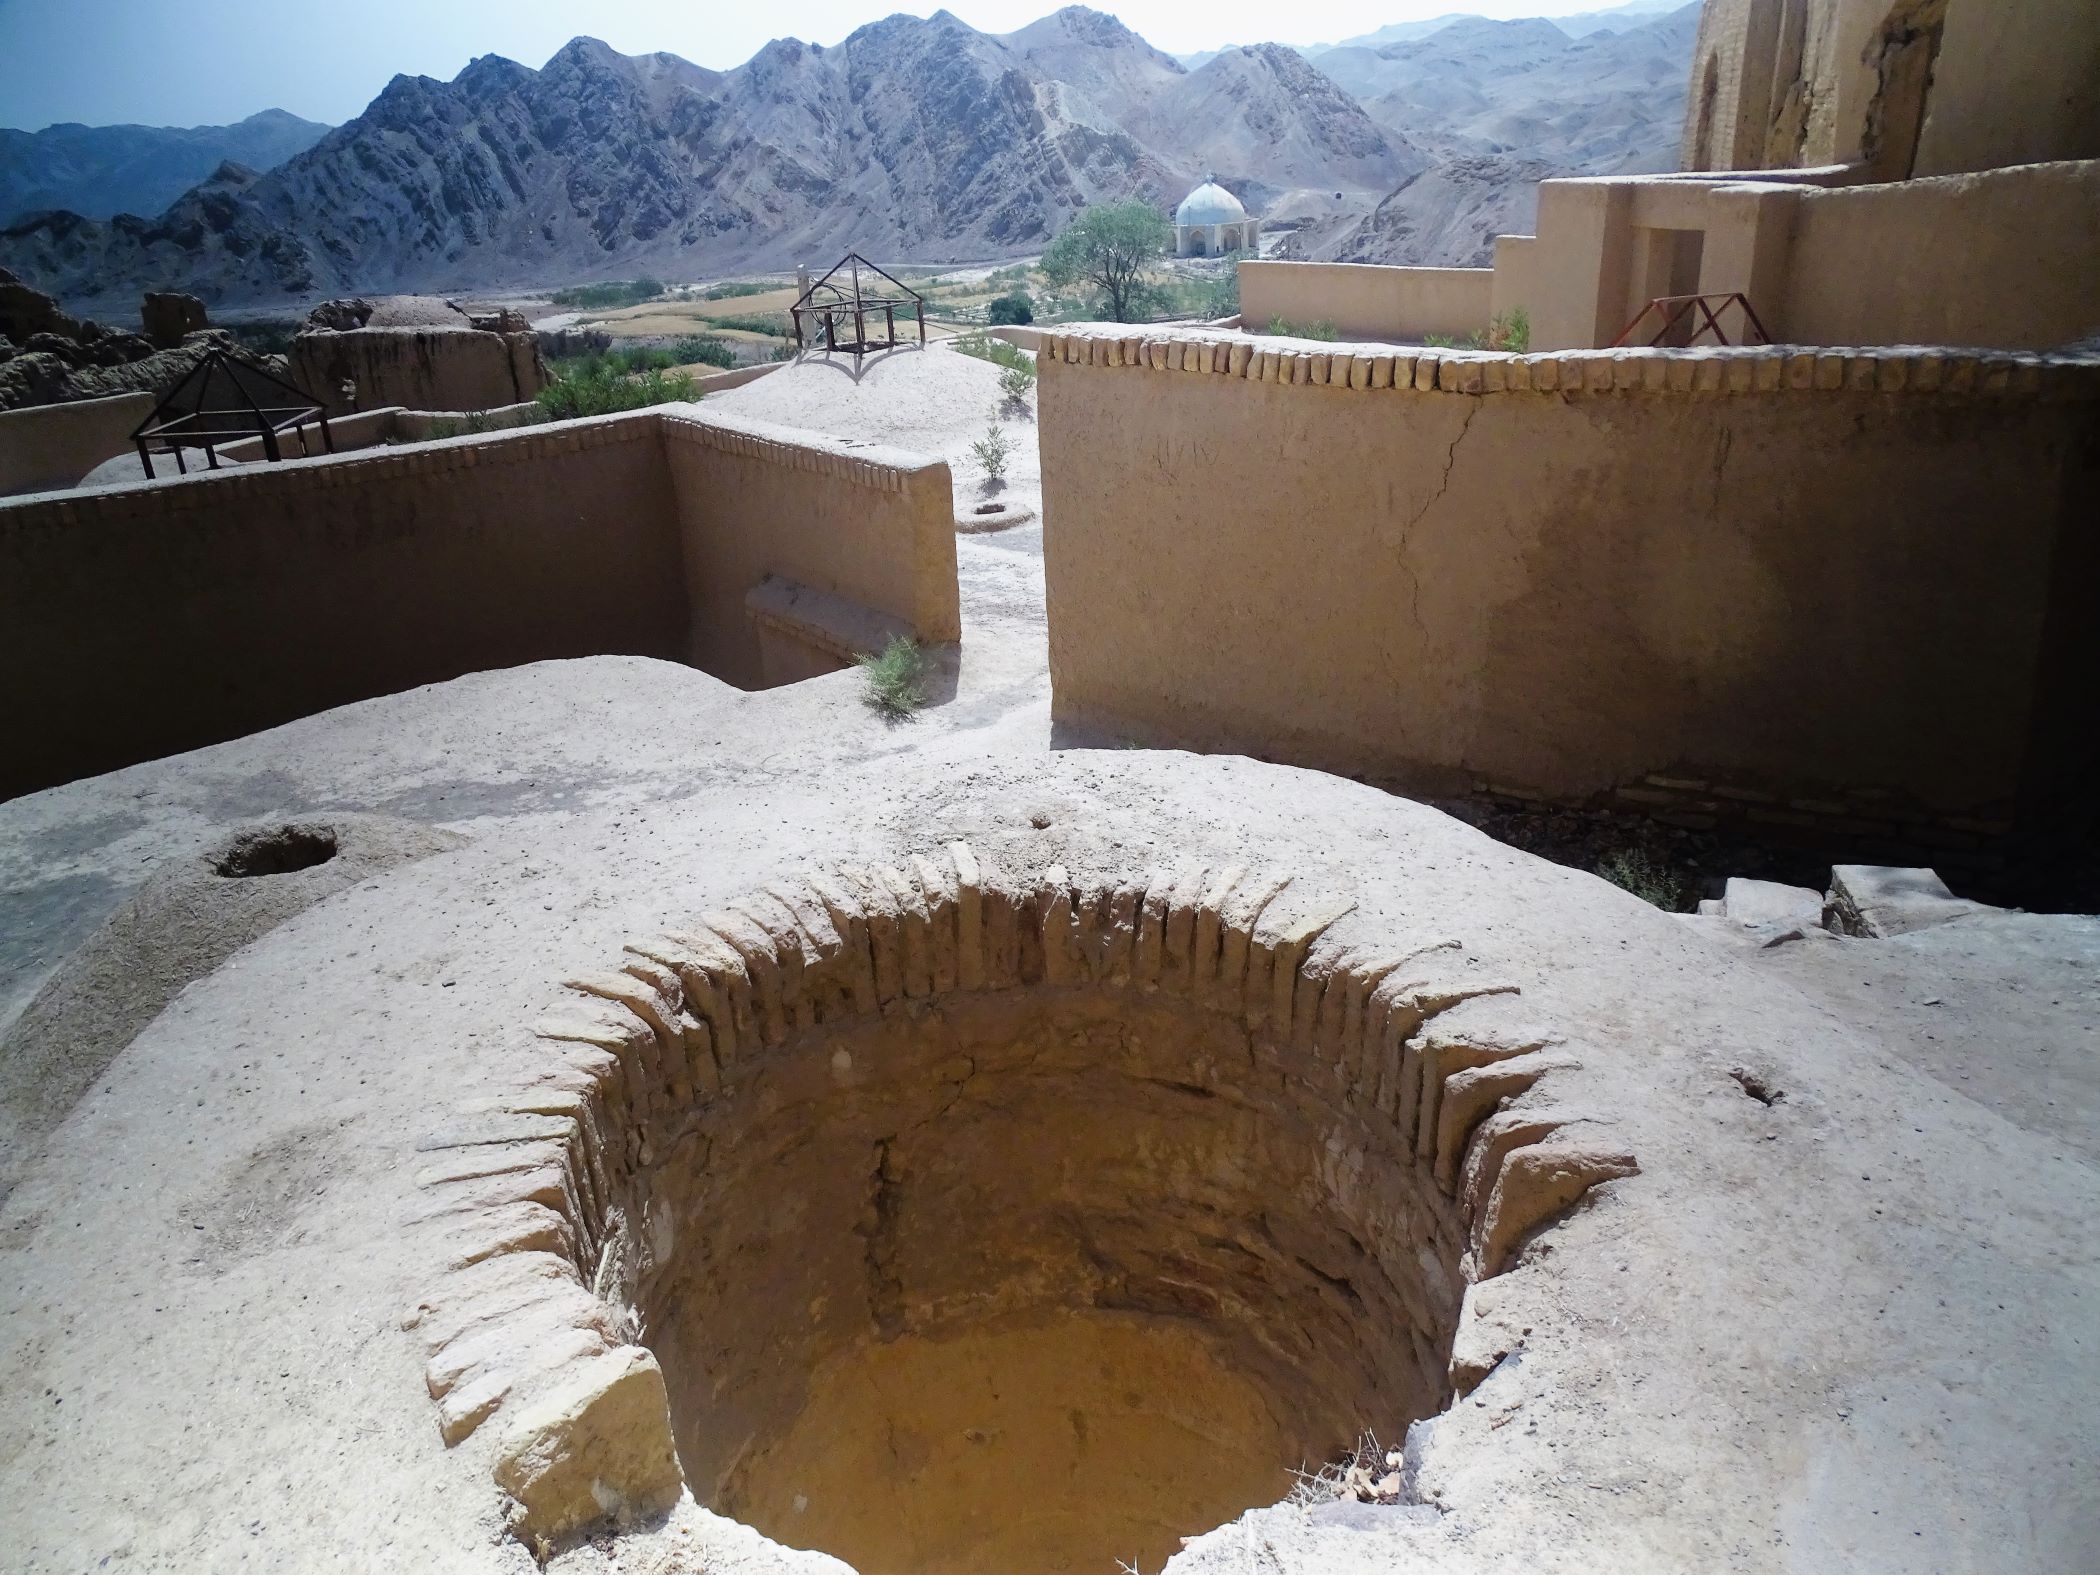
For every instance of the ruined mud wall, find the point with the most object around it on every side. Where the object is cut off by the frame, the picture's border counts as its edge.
(1366, 301)
(143, 620)
(1835, 584)
(422, 368)
(138, 621)
(2001, 259)
(2013, 84)
(2010, 258)
(1773, 81)
(1911, 87)
(869, 527)
(44, 447)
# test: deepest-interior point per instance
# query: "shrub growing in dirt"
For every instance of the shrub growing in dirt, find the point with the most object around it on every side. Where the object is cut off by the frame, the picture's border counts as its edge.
(895, 681)
(601, 388)
(991, 451)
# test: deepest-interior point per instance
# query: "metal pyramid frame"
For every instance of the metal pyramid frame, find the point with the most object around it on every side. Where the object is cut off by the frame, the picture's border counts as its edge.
(225, 398)
(835, 315)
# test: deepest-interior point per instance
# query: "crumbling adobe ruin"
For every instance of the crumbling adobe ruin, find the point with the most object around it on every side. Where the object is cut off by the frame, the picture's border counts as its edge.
(50, 356)
(507, 1061)
(417, 352)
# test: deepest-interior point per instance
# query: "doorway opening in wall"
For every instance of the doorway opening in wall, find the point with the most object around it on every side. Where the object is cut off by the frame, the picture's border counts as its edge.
(1669, 265)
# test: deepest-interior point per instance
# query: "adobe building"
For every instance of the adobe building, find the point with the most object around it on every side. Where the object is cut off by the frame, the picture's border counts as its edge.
(1898, 88)
(508, 1063)
(418, 353)
(1892, 213)
(1859, 172)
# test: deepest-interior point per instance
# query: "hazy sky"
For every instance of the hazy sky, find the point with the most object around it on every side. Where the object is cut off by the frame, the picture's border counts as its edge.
(199, 62)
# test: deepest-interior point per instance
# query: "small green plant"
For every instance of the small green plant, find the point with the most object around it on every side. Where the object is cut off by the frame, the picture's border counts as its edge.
(1510, 331)
(703, 350)
(614, 293)
(1439, 342)
(991, 451)
(751, 322)
(895, 681)
(984, 347)
(1323, 329)
(602, 387)
(472, 423)
(1199, 295)
(1631, 869)
(1017, 383)
(628, 358)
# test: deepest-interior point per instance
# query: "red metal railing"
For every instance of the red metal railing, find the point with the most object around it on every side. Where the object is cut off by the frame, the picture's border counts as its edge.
(1704, 312)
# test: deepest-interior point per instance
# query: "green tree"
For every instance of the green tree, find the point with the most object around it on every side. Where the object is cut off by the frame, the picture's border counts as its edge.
(1112, 248)
(1013, 307)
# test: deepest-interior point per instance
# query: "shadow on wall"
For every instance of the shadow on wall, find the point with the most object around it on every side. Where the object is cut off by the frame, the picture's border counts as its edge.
(47, 447)
(144, 620)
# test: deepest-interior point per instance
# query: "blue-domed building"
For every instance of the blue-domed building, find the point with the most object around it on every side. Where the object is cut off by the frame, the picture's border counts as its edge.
(1211, 222)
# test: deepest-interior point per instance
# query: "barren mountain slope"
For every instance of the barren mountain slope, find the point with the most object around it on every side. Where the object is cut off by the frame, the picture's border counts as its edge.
(1507, 104)
(104, 170)
(1097, 63)
(914, 139)
(1460, 204)
(1527, 87)
(1263, 114)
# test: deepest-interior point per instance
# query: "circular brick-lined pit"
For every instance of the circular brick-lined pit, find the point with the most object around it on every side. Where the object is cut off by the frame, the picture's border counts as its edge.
(949, 1222)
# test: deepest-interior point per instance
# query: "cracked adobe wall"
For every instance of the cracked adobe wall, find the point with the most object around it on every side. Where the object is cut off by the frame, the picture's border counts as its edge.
(954, 1220)
(1789, 574)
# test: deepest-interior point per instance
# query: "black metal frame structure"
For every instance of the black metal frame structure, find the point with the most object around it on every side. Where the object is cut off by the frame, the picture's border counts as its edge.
(223, 399)
(826, 307)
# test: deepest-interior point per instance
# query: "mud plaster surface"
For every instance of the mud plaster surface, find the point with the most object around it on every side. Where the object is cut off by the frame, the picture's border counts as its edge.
(1852, 1329)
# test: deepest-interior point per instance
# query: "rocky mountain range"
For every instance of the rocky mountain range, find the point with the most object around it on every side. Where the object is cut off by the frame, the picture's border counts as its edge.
(1512, 103)
(1579, 24)
(916, 139)
(1619, 19)
(98, 171)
